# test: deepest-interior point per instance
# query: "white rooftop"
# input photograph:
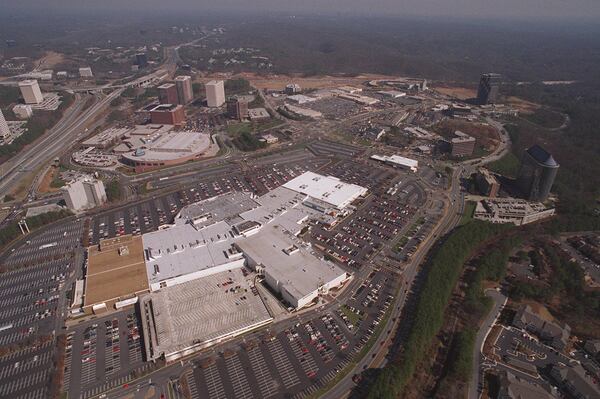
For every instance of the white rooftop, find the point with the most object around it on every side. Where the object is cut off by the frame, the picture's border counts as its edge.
(398, 160)
(328, 189)
(300, 272)
(202, 311)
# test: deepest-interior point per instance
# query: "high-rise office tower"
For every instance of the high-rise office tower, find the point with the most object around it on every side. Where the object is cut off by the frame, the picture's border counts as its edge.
(167, 94)
(489, 86)
(537, 173)
(185, 92)
(4, 129)
(30, 90)
(237, 108)
(215, 93)
(141, 60)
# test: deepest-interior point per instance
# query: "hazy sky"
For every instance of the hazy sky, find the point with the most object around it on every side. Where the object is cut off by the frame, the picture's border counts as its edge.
(588, 9)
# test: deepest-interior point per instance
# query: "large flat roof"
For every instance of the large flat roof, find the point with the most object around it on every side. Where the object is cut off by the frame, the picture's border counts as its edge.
(299, 271)
(171, 146)
(328, 189)
(203, 234)
(111, 276)
(201, 311)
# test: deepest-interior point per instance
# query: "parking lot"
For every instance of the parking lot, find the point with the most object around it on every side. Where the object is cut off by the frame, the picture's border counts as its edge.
(25, 373)
(153, 213)
(53, 243)
(102, 354)
(29, 300)
(379, 219)
(299, 359)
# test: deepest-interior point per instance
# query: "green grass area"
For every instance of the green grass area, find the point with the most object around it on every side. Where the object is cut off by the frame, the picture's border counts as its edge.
(401, 243)
(113, 191)
(468, 213)
(507, 166)
(352, 317)
(238, 128)
(545, 117)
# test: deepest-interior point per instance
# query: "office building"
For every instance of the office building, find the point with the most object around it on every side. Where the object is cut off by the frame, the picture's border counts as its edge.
(167, 114)
(84, 194)
(462, 144)
(215, 93)
(489, 87)
(30, 90)
(486, 183)
(4, 129)
(537, 173)
(141, 60)
(292, 89)
(23, 111)
(167, 94)
(185, 92)
(86, 72)
(237, 108)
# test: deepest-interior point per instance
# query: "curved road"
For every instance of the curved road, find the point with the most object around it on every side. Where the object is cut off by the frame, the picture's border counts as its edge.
(475, 386)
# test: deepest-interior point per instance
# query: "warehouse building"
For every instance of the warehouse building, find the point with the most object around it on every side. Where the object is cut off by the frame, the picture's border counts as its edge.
(397, 161)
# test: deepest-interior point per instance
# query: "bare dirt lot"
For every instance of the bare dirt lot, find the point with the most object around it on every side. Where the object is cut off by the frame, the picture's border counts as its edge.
(278, 82)
(461, 93)
(49, 60)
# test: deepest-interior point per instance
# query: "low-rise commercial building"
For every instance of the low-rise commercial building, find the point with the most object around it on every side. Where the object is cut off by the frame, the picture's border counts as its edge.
(397, 161)
(255, 114)
(301, 99)
(301, 112)
(167, 114)
(106, 138)
(86, 72)
(292, 89)
(511, 210)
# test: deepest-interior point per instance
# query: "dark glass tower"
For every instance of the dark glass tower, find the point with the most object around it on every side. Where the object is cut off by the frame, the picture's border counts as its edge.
(537, 174)
(489, 86)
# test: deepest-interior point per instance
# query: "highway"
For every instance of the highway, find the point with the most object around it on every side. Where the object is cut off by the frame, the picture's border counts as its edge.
(51, 144)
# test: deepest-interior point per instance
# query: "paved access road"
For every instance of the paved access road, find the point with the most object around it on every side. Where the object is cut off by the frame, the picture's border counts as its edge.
(476, 384)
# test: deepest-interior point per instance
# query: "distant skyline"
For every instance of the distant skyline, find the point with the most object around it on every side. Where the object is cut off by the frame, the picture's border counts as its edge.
(513, 9)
